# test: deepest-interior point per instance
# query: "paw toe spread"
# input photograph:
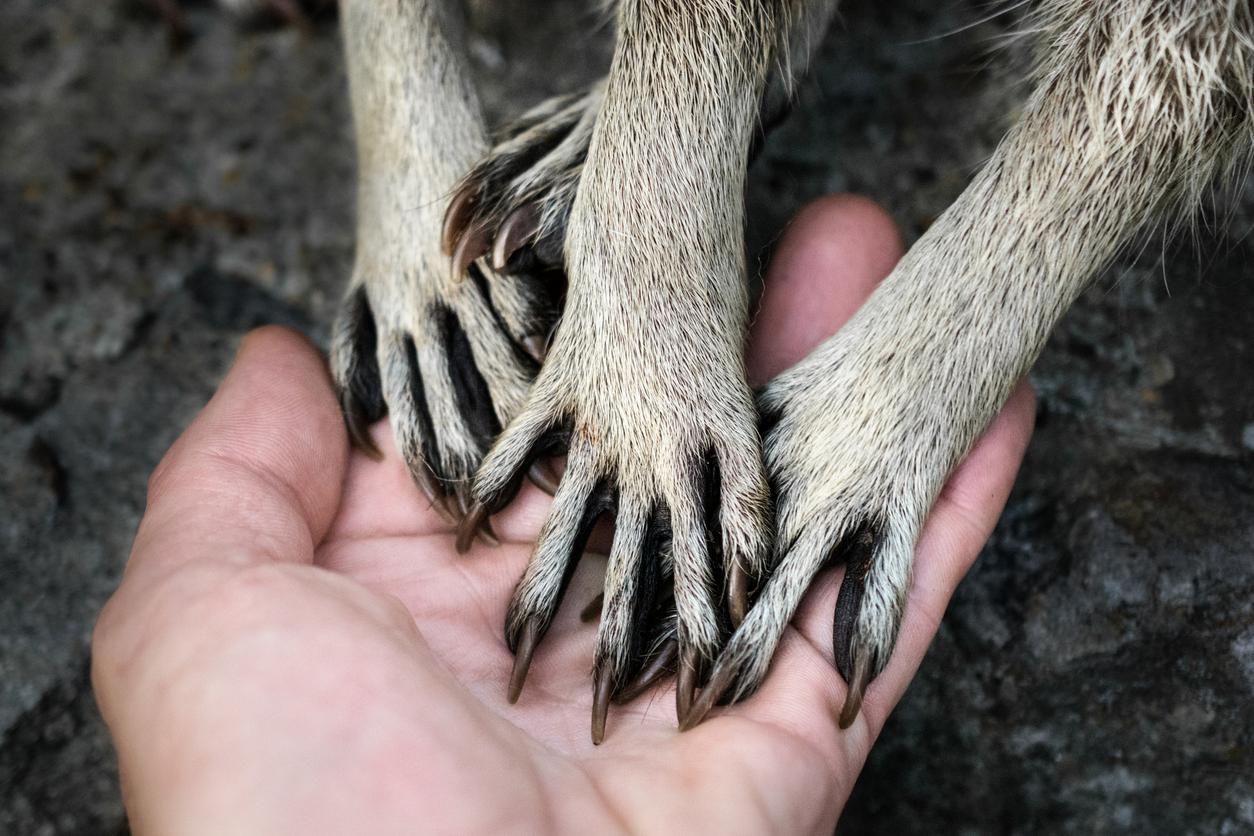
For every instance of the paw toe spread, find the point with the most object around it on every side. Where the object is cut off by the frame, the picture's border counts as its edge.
(481, 394)
(693, 586)
(449, 364)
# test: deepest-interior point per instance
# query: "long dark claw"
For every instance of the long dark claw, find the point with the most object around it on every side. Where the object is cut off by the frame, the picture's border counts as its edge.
(849, 600)
(713, 691)
(473, 522)
(737, 594)
(465, 504)
(527, 640)
(662, 663)
(592, 612)
(686, 686)
(857, 688)
(472, 246)
(542, 476)
(600, 704)
(358, 424)
(515, 233)
(855, 667)
(458, 214)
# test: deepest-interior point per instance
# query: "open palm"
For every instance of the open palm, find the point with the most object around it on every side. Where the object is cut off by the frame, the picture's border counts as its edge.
(297, 647)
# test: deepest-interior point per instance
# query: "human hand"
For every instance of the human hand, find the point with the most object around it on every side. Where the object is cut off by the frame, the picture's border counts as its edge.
(297, 648)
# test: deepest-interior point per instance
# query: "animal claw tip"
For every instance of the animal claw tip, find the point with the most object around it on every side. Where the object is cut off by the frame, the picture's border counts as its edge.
(474, 522)
(857, 688)
(600, 705)
(542, 476)
(527, 640)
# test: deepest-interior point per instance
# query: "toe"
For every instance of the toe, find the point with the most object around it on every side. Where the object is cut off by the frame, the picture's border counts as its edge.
(580, 501)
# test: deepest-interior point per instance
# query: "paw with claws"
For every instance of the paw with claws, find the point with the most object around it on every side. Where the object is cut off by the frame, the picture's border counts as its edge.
(450, 360)
(512, 208)
(661, 436)
(858, 438)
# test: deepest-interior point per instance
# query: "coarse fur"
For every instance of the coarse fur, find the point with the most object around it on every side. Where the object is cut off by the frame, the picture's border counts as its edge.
(1138, 106)
(635, 189)
(656, 303)
(442, 355)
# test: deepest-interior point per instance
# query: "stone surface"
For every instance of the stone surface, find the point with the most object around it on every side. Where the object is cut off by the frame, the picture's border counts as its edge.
(1096, 669)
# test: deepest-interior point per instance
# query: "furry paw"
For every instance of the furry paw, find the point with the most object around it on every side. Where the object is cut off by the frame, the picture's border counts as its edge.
(449, 361)
(858, 442)
(663, 438)
(514, 204)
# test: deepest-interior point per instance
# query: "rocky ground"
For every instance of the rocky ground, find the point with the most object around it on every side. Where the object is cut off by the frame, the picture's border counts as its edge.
(1096, 670)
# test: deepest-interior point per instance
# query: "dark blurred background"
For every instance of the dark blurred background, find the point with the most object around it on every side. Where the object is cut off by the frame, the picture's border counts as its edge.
(1096, 670)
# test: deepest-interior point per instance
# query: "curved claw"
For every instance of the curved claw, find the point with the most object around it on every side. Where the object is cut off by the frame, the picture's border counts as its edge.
(686, 685)
(472, 246)
(854, 666)
(457, 216)
(600, 704)
(713, 691)
(662, 663)
(543, 477)
(480, 529)
(516, 232)
(527, 640)
(474, 522)
(857, 689)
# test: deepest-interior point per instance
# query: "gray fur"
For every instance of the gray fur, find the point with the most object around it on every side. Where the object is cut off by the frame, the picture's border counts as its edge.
(647, 364)
(418, 129)
(1139, 105)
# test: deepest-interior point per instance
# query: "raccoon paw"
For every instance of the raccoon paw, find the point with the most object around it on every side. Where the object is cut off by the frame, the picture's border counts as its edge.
(512, 207)
(676, 463)
(856, 452)
(451, 365)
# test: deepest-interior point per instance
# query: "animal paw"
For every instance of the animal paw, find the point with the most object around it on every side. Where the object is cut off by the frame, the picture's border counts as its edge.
(512, 207)
(663, 438)
(858, 440)
(450, 362)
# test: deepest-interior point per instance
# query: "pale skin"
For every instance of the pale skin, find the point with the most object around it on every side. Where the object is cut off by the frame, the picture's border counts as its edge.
(296, 647)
